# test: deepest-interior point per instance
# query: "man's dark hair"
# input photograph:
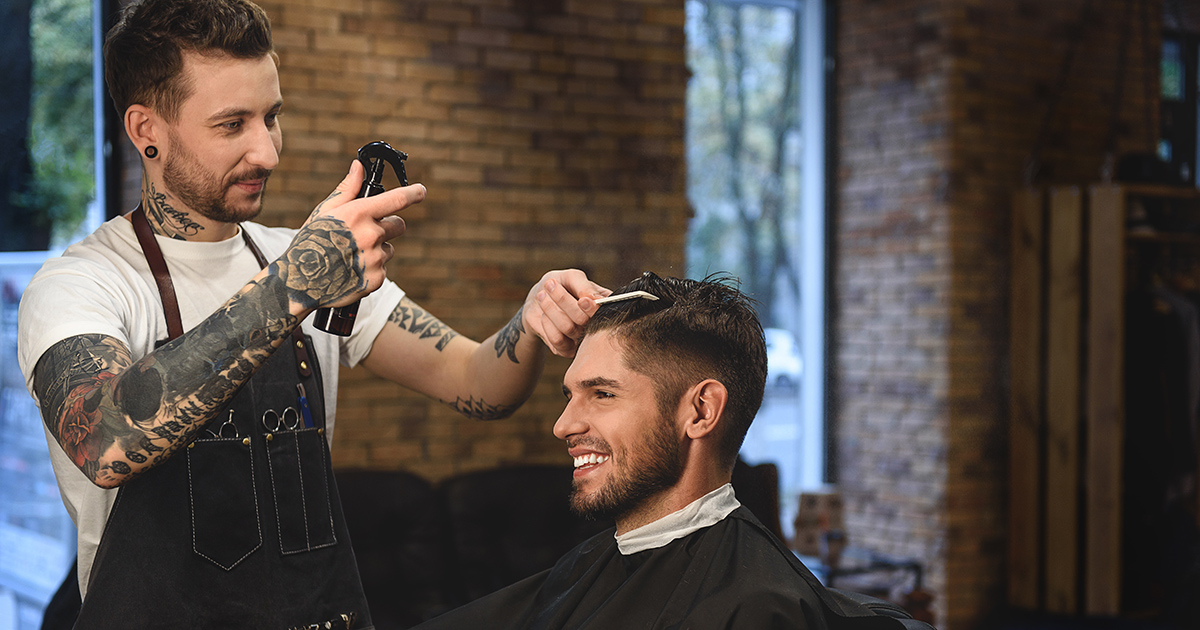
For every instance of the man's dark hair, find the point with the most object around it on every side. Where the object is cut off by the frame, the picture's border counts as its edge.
(143, 53)
(697, 329)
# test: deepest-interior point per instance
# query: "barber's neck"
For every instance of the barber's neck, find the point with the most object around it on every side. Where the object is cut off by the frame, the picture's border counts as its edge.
(169, 216)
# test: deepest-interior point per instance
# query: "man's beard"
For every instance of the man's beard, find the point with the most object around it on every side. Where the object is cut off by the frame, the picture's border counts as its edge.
(642, 474)
(202, 191)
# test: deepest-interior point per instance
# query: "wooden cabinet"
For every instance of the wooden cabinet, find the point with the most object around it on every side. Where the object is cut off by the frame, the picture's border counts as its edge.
(1074, 257)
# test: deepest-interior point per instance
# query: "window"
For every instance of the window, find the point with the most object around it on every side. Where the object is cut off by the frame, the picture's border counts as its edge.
(756, 179)
(50, 187)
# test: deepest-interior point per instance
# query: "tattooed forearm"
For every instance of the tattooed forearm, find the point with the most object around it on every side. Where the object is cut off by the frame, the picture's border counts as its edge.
(408, 316)
(116, 418)
(481, 410)
(507, 338)
(322, 265)
(164, 217)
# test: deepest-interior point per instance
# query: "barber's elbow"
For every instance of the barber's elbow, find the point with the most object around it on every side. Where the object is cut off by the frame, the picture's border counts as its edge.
(478, 409)
(106, 482)
(105, 472)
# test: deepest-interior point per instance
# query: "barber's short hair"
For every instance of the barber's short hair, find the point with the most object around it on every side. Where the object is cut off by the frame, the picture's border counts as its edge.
(697, 329)
(143, 53)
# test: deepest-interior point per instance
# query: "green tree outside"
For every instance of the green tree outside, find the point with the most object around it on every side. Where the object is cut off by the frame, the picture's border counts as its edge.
(62, 131)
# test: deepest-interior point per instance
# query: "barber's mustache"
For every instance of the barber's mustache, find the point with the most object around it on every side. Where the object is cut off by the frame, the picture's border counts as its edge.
(252, 174)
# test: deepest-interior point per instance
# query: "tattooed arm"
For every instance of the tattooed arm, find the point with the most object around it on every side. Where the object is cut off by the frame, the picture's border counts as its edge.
(488, 380)
(115, 417)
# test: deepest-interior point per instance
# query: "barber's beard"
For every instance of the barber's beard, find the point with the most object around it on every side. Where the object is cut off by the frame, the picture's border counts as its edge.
(636, 476)
(202, 191)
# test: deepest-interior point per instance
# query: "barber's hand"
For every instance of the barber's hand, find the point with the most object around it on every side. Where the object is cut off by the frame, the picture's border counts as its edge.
(559, 306)
(339, 254)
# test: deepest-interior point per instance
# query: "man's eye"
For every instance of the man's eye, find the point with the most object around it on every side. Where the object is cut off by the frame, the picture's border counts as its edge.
(604, 394)
(272, 119)
(232, 125)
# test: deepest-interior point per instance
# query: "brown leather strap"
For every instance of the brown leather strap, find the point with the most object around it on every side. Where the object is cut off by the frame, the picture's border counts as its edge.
(258, 255)
(158, 266)
(166, 289)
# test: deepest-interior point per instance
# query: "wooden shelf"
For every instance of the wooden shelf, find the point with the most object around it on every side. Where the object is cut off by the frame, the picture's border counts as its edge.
(1067, 398)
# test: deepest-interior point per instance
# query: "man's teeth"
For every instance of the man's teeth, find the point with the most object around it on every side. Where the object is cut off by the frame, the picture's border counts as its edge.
(590, 458)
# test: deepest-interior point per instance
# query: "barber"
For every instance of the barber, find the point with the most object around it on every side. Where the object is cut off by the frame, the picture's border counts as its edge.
(189, 430)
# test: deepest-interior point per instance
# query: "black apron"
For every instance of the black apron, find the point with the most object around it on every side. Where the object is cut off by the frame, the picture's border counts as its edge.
(243, 527)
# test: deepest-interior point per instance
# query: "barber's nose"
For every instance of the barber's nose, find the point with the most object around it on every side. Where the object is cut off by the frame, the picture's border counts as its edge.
(264, 151)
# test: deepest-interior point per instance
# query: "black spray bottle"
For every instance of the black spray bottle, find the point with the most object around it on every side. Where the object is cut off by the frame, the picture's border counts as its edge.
(340, 320)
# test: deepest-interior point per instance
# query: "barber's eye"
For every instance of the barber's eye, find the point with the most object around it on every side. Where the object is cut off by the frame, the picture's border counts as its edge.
(232, 125)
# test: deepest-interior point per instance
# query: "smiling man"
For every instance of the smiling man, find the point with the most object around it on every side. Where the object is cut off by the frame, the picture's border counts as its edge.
(659, 398)
(188, 402)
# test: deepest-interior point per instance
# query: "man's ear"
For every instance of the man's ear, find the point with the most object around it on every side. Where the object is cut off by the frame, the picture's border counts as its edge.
(705, 408)
(143, 127)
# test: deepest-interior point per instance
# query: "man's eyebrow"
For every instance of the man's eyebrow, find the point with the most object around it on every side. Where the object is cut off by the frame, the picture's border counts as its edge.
(598, 381)
(238, 112)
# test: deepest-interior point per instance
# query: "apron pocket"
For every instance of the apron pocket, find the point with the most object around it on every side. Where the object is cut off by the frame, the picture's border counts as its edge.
(225, 520)
(300, 488)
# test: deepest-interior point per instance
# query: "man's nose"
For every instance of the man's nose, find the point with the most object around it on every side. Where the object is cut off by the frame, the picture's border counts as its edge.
(265, 144)
(569, 423)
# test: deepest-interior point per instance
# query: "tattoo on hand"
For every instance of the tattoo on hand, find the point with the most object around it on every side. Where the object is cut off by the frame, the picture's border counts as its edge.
(408, 316)
(507, 338)
(333, 195)
(323, 263)
(480, 410)
(168, 221)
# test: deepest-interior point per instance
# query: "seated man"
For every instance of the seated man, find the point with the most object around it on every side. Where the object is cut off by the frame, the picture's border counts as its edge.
(659, 397)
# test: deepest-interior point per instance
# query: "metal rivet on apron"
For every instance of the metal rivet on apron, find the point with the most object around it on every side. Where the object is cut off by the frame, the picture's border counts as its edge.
(192, 445)
(270, 436)
(321, 431)
(304, 365)
(299, 344)
(246, 441)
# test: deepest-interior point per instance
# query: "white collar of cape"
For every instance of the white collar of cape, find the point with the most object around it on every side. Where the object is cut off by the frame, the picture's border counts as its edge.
(706, 511)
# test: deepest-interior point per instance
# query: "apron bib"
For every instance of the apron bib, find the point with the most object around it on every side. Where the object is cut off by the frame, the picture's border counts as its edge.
(243, 527)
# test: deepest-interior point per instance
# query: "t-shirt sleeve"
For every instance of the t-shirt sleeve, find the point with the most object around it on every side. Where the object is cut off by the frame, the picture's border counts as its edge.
(65, 299)
(373, 313)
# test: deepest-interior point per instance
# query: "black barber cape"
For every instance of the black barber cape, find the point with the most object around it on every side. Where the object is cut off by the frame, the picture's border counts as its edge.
(731, 575)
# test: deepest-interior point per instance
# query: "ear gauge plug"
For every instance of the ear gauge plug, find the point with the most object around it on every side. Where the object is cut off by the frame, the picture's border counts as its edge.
(151, 152)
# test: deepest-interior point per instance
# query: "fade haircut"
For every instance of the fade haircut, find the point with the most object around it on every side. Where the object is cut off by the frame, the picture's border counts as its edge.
(143, 53)
(696, 330)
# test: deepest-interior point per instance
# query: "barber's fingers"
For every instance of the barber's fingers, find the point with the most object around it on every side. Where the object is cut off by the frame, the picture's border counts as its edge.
(560, 306)
(376, 206)
(582, 290)
(344, 193)
(392, 226)
(391, 201)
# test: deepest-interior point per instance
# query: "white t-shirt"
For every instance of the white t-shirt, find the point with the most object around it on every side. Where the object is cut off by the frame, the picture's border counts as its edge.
(103, 285)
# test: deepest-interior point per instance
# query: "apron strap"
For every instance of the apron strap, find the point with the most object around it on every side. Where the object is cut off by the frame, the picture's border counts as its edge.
(166, 289)
(158, 266)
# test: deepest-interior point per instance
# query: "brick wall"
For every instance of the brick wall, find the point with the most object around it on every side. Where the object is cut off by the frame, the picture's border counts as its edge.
(549, 134)
(940, 107)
